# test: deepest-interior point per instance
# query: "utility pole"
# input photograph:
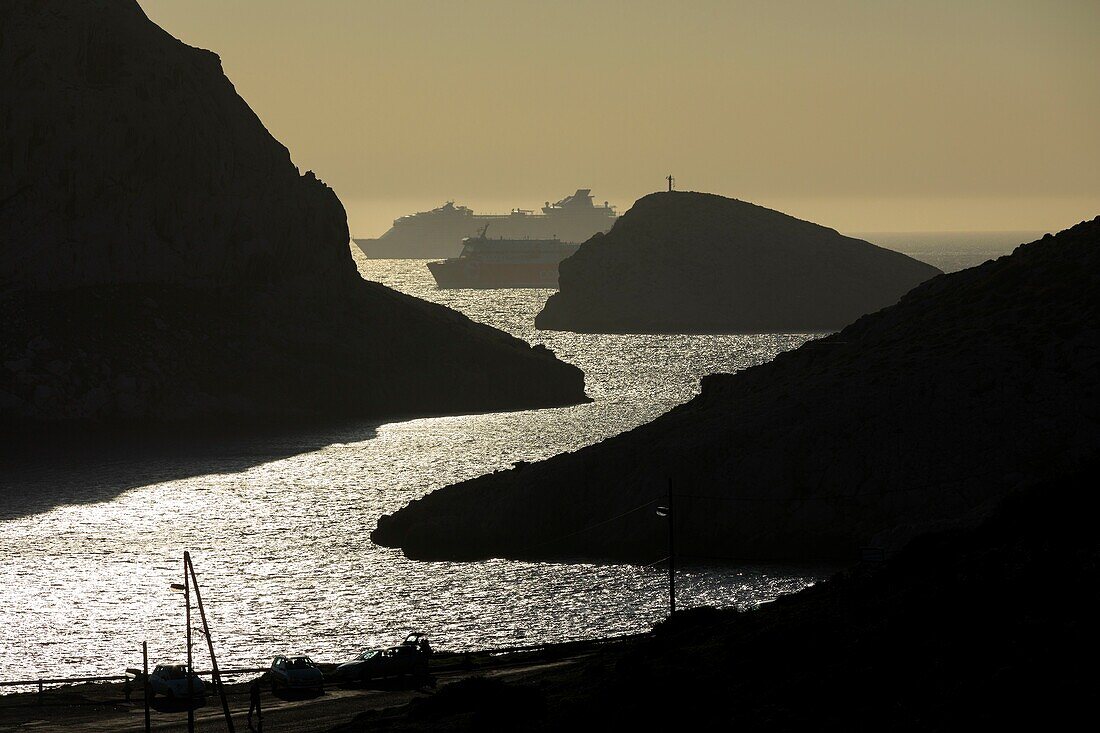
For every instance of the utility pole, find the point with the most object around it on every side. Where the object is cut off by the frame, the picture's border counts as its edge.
(671, 555)
(667, 512)
(190, 669)
(215, 674)
(145, 681)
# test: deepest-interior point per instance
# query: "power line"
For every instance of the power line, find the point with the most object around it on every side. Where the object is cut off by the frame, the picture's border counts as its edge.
(590, 527)
(850, 498)
(658, 562)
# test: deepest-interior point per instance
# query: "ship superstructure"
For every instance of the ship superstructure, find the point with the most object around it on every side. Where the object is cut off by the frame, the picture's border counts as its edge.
(439, 232)
(503, 263)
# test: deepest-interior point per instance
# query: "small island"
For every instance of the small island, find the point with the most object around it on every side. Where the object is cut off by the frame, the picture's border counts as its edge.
(685, 262)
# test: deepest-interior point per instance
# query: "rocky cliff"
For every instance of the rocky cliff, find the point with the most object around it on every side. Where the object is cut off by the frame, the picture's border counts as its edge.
(162, 257)
(681, 262)
(920, 416)
(947, 635)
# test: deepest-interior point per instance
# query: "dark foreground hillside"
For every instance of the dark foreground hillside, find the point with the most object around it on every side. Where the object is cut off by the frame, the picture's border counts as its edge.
(981, 629)
(686, 262)
(162, 258)
(920, 416)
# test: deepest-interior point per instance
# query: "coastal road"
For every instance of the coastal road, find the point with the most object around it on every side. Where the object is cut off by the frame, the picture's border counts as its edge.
(78, 709)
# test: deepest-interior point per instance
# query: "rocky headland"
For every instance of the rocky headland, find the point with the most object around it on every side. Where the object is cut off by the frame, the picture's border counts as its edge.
(685, 262)
(921, 416)
(990, 627)
(162, 258)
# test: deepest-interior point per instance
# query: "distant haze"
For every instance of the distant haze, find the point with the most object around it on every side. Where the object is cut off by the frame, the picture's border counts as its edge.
(865, 115)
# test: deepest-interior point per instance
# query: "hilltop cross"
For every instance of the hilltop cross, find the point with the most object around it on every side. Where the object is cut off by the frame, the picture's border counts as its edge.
(670, 180)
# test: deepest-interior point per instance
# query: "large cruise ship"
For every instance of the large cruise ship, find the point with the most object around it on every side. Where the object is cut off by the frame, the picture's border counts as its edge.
(439, 232)
(503, 263)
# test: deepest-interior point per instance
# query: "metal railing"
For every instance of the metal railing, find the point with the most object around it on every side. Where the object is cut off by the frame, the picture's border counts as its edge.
(131, 674)
(43, 681)
(442, 659)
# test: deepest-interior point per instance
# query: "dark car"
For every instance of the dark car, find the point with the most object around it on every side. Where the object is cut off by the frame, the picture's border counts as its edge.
(295, 673)
(419, 642)
(408, 659)
(171, 681)
(361, 668)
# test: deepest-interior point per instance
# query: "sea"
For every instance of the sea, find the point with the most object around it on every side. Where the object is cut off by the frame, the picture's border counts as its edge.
(278, 524)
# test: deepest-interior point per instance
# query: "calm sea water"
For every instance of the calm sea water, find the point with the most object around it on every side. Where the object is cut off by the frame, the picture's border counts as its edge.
(952, 251)
(278, 525)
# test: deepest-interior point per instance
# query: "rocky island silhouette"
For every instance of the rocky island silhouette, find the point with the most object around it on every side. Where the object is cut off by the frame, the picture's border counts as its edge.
(164, 260)
(921, 416)
(686, 262)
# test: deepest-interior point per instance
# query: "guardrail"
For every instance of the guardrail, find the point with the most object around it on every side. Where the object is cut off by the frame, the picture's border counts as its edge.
(43, 681)
(62, 680)
(442, 657)
(563, 645)
(131, 674)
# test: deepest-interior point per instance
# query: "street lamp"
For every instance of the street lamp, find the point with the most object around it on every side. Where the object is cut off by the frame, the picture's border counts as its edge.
(666, 512)
(188, 576)
(185, 588)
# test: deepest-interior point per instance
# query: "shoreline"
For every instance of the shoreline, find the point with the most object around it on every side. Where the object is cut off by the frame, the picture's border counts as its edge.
(88, 706)
(794, 579)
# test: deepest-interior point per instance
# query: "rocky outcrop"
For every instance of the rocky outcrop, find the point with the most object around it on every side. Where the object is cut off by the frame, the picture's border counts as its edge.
(167, 353)
(920, 416)
(948, 635)
(161, 257)
(682, 262)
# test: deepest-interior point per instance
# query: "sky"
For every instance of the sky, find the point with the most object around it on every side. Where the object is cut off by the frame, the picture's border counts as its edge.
(863, 115)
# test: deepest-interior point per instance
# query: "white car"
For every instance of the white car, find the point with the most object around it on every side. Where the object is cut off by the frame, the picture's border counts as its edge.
(170, 680)
(295, 673)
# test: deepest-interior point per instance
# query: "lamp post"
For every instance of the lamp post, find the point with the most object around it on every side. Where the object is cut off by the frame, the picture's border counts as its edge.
(185, 587)
(215, 676)
(666, 511)
(145, 681)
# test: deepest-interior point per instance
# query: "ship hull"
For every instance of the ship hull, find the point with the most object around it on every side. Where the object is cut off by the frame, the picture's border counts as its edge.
(461, 273)
(385, 249)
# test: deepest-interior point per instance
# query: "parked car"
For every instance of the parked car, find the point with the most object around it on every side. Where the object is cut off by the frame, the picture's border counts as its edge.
(296, 673)
(419, 642)
(409, 658)
(170, 680)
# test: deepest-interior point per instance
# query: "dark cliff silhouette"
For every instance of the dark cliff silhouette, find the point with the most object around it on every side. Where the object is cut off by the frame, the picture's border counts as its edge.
(920, 416)
(978, 629)
(163, 259)
(684, 262)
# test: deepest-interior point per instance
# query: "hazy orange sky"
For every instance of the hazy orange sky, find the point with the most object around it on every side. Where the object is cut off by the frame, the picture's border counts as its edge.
(863, 115)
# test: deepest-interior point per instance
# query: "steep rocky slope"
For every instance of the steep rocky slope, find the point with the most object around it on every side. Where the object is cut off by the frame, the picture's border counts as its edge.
(161, 257)
(922, 415)
(682, 262)
(985, 628)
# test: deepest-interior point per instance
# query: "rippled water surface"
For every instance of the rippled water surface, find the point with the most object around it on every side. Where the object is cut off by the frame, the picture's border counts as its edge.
(278, 524)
